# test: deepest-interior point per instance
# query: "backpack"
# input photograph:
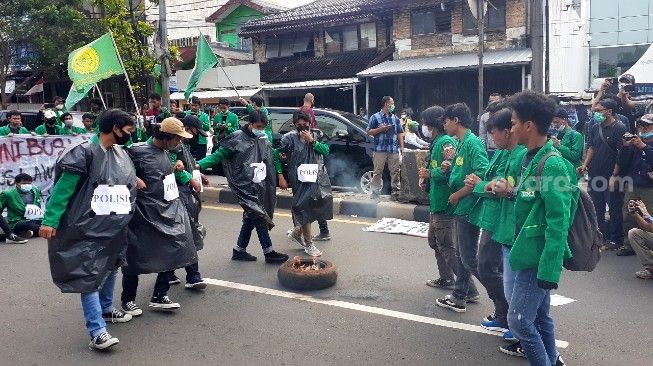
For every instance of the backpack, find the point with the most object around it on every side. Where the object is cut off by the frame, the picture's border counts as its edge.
(584, 238)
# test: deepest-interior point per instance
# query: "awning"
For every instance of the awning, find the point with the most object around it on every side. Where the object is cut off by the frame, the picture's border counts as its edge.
(313, 84)
(218, 94)
(449, 62)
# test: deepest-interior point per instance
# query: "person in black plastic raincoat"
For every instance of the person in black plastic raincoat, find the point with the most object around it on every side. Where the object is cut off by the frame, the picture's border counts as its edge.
(160, 238)
(250, 168)
(86, 220)
(189, 192)
(311, 188)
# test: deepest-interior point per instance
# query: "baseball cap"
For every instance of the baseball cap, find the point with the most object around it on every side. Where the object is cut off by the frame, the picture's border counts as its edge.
(192, 121)
(174, 126)
(49, 114)
(627, 78)
(646, 119)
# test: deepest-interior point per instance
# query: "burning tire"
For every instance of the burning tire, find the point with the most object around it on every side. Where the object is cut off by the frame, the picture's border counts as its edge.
(297, 275)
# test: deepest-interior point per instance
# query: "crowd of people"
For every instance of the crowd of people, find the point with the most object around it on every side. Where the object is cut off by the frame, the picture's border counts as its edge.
(486, 220)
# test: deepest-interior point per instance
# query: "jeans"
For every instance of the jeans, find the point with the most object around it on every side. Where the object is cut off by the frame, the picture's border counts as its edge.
(613, 229)
(440, 238)
(130, 285)
(96, 303)
(467, 250)
(24, 225)
(529, 319)
(324, 227)
(193, 273)
(490, 273)
(249, 223)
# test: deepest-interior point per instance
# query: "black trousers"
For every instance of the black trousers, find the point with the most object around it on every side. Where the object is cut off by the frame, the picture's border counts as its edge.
(130, 285)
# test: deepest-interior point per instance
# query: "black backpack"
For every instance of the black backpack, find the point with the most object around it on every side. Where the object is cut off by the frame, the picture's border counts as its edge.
(584, 238)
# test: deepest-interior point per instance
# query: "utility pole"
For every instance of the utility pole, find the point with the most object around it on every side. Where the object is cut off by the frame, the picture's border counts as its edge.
(481, 46)
(537, 44)
(165, 65)
(546, 42)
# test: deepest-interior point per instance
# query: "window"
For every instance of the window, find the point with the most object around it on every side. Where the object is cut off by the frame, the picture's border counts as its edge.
(350, 38)
(431, 21)
(281, 122)
(330, 125)
(288, 45)
(495, 17)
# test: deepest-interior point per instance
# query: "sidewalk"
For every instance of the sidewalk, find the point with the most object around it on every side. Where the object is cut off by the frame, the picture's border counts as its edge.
(344, 203)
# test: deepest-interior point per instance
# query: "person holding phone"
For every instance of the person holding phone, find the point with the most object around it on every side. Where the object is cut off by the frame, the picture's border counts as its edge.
(641, 237)
(385, 128)
(225, 123)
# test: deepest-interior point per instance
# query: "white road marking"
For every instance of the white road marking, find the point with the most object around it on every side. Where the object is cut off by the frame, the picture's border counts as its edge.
(280, 214)
(363, 308)
(557, 300)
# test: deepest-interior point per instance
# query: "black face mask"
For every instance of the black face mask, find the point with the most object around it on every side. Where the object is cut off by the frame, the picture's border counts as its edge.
(121, 140)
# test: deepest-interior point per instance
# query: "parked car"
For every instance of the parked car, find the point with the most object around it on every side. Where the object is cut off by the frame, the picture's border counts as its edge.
(349, 163)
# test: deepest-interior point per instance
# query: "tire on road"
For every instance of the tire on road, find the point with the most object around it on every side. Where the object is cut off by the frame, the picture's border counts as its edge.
(309, 280)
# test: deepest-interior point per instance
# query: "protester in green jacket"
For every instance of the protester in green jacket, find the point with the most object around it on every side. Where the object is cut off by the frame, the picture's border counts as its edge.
(68, 128)
(470, 157)
(224, 123)
(440, 235)
(544, 209)
(569, 142)
(256, 104)
(15, 126)
(88, 120)
(49, 126)
(23, 204)
(59, 109)
(198, 143)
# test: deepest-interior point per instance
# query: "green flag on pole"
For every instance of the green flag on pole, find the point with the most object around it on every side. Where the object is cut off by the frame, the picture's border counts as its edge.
(94, 62)
(75, 96)
(204, 61)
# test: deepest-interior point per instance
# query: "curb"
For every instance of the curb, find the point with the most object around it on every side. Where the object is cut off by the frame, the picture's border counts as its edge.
(366, 208)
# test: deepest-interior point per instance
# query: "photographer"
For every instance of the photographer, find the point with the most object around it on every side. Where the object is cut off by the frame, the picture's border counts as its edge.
(637, 161)
(642, 237)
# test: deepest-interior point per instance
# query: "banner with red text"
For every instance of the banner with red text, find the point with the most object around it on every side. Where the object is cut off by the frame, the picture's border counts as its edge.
(34, 155)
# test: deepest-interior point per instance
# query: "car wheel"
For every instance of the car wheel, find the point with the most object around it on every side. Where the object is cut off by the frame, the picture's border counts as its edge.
(298, 280)
(365, 180)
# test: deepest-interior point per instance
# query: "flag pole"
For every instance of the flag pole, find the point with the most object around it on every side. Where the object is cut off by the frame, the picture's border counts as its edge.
(225, 74)
(138, 112)
(97, 87)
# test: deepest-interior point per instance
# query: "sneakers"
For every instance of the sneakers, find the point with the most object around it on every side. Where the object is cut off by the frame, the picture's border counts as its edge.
(200, 285)
(473, 298)
(103, 341)
(116, 316)
(295, 236)
(163, 303)
(242, 256)
(612, 246)
(174, 280)
(441, 283)
(645, 274)
(513, 350)
(507, 336)
(26, 234)
(131, 308)
(312, 251)
(449, 303)
(560, 362)
(274, 257)
(15, 239)
(625, 252)
(492, 323)
(322, 237)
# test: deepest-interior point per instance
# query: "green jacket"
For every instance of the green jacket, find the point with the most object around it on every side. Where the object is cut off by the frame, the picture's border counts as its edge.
(471, 157)
(268, 127)
(73, 130)
(504, 233)
(12, 201)
(572, 146)
(543, 216)
(40, 130)
(439, 191)
(206, 126)
(232, 125)
(4, 131)
(486, 211)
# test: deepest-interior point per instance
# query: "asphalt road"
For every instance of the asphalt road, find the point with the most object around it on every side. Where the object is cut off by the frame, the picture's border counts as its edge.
(608, 324)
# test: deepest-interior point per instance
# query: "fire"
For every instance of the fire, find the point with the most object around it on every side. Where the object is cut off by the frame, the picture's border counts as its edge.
(297, 264)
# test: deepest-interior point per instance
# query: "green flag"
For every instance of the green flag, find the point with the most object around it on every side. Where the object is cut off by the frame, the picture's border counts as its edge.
(94, 62)
(204, 61)
(75, 96)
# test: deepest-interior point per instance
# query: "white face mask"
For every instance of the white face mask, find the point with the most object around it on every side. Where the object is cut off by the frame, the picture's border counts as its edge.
(26, 187)
(68, 122)
(59, 106)
(426, 132)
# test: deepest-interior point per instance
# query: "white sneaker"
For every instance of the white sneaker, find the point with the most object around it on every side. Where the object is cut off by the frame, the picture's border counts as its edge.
(312, 251)
(132, 309)
(296, 238)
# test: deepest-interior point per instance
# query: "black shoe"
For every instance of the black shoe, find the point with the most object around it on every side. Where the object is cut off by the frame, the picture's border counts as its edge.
(103, 341)
(513, 350)
(441, 283)
(15, 239)
(625, 252)
(560, 362)
(449, 303)
(612, 246)
(242, 256)
(174, 280)
(163, 302)
(117, 316)
(274, 257)
(199, 285)
(322, 237)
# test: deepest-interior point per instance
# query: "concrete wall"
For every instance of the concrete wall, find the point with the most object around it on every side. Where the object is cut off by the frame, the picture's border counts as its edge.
(568, 41)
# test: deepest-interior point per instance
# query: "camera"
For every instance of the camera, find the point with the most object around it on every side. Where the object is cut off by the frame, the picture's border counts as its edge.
(629, 136)
(632, 207)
